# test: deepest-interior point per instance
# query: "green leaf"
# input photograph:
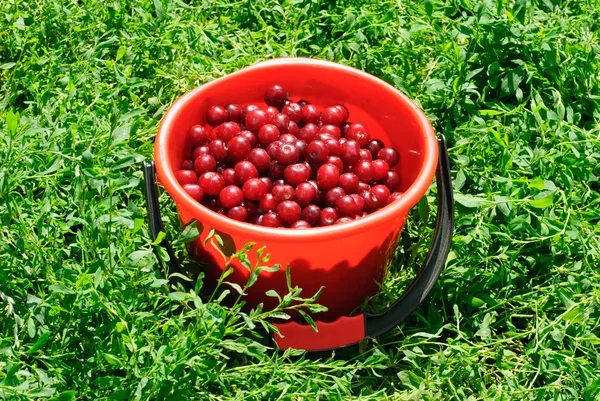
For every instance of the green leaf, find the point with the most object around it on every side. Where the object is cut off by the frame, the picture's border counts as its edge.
(7, 66)
(309, 320)
(61, 289)
(470, 201)
(537, 183)
(41, 341)
(190, 233)
(160, 11)
(121, 52)
(543, 200)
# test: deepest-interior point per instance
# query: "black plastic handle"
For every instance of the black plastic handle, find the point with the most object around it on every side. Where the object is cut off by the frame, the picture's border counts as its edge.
(374, 324)
(415, 294)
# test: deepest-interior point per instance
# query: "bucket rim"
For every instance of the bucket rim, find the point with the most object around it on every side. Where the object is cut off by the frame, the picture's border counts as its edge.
(400, 207)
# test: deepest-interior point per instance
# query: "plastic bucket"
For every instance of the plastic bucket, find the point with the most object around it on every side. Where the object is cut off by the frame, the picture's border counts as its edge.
(348, 259)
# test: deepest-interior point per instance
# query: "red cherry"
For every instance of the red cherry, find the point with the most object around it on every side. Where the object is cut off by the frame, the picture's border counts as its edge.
(349, 152)
(345, 112)
(211, 202)
(359, 133)
(389, 155)
(365, 155)
(238, 148)
(245, 170)
(187, 165)
(328, 216)
(227, 130)
(305, 193)
(247, 109)
(287, 138)
(317, 152)
(198, 135)
(293, 128)
(334, 146)
(268, 202)
(229, 176)
(347, 206)
(272, 111)
(287, 154)
(391, 180)
(363, 186)
(194, 191)
(211, 183)
(332, 196)
(303, 102)
(267, 182)
(296, 173)
(381, 169)
(344, 128)
(393, 197)
(374, 146)
(282, 122)
(308, 133)
(250, 207)
(256, 119)
(301, 224)
(205, 163)
(271, 219)
(216, 115)
(231, 196)
(311, 114)
(276, 170)
(327, 176)
(381, 192)
(289, 211)
(343, 220)
(276, 96)
(260, 158)
(365, 171)
(360, 202)
(218, 150)
(301, 145)
(332, 130)
(293, 110)
(199, 151)
(332, 115)
(282, 192)
(268, 133)
(349, 182)
(249, 135)
(235, 112)
(238, 213)
(371, 201)
(336, 161)
(254, 189)
(272, 148)
(256, 219)
(312, 214)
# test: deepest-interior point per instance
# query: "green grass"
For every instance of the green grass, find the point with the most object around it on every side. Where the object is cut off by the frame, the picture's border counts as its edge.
(514, 86)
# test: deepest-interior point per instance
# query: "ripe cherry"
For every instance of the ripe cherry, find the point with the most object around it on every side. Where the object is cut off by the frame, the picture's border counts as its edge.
(293, 128)
(287, 138)
(349, 182)
(272, 148)
(336, 161)
(282, 192)
(247, 109)
(308, 133)
(187, 165)
(218, 150)
(328, 176)
(391, 180)
(287, 154)
(205, 163)
(276, 170)
(235, 112)
(268, 202)
(332, 130)
(276, 96)
(271, 219)
(312, 214)
(363, 186)
(293, 110)
(305, 193)
(260, 158)
(254, 189)
(296, 173)
(227, 130)
(371, 201)
(198, 136)
(334, 146)
(249, 135)
(245, 170)
(360, 202)
(328, 216)
(199, 151)
(238, 213)
(381, 192)
(332, 196)
(301, 145)
(365, 171)
(389, 155)
(359, 133)
(300, 224)
(212, 183)
(349, 152)
(231, 196)
(345, 112)
(282, 122)
(343, 220)
(229, 176)
(374, 146)
(216, 115)
(256, 119)
(310, 114)
(332, 115)
(194, 191)
(267, 182)
(380, 169)
(347, 206)
(317, 152)
(289, 211)
(272, 111)
(267, 134)
(365, 154)
(393, 197)
(238, 148)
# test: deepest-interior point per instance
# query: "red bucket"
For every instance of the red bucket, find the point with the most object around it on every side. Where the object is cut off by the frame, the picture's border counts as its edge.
(349, 259)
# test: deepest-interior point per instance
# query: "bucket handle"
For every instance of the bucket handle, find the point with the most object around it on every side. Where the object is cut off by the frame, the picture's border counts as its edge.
(346, 331)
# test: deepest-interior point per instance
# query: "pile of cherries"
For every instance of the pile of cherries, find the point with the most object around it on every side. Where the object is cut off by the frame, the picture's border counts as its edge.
(288, 164)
